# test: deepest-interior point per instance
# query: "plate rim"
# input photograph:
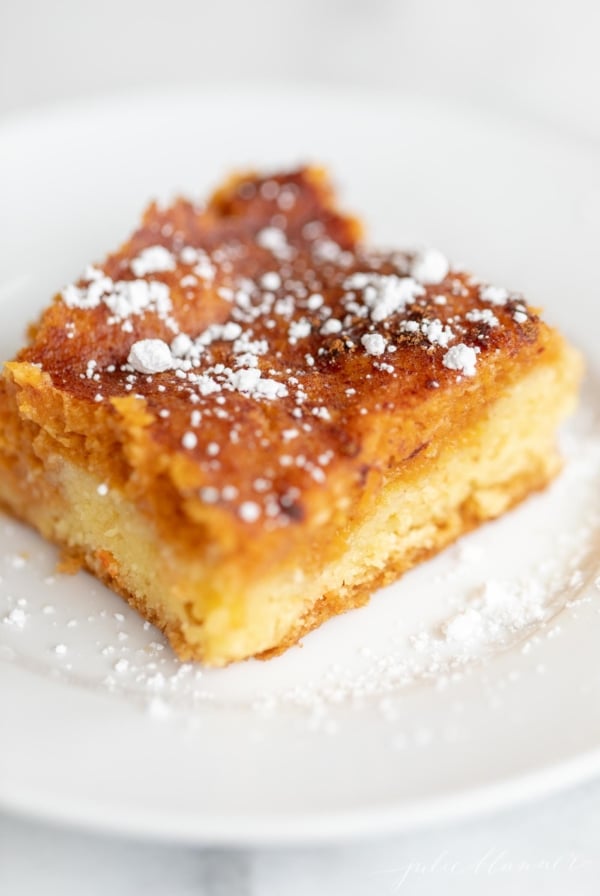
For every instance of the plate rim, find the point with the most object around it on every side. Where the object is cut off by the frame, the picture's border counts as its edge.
(326, 828)
(279, 829)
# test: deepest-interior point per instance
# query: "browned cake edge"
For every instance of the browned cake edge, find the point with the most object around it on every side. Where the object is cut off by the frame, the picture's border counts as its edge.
(467, 519)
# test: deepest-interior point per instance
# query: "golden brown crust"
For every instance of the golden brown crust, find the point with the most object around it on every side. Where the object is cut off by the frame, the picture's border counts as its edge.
(365, 419)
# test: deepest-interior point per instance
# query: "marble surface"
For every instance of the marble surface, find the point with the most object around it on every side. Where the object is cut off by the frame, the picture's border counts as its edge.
(550, 848)
(535, 59)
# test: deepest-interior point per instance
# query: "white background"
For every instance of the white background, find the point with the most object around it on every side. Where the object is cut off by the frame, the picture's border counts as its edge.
(538, 59)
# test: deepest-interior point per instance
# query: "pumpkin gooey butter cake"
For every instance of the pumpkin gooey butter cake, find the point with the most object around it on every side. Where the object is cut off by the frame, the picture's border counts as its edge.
(245, 420)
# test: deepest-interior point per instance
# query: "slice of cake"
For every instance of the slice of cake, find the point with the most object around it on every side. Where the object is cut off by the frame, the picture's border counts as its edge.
(244, 421)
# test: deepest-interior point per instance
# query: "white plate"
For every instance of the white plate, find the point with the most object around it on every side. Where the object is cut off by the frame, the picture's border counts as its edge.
(387, 718)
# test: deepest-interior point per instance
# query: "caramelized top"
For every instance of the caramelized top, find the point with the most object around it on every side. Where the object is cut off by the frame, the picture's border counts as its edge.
(269, 347)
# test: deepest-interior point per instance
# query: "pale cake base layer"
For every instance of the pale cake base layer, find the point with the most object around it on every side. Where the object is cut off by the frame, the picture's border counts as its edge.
(474, 476)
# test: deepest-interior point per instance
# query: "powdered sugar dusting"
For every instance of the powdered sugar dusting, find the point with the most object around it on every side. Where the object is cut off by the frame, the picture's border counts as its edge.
(461, 357)
(153, 260)
(430, 266)
(483, 316)
(382, 294)
(124, 298)
(150, 356)
(374, 344)
(495, 295)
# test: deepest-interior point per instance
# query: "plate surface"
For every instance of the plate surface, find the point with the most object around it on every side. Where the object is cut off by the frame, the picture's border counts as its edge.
(473, 682)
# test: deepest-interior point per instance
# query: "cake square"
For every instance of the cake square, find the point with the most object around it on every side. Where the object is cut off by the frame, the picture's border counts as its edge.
(245, 420)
